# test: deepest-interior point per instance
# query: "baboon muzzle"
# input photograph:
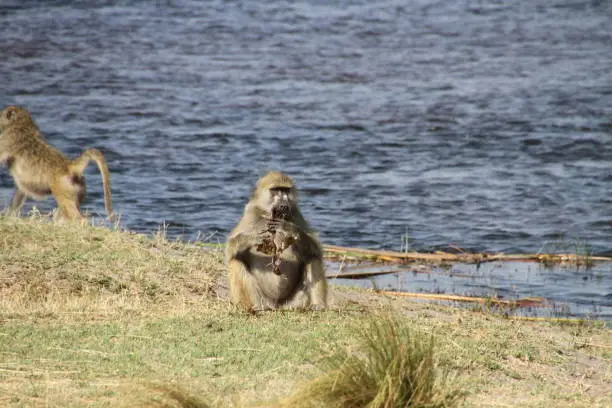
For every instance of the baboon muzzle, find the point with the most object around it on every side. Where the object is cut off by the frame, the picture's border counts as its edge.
(281, 211)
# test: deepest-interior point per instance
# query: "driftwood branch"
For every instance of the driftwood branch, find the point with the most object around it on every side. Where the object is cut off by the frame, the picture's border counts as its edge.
(360, 275)
(559, 320)
(338, 252)
(524, 302)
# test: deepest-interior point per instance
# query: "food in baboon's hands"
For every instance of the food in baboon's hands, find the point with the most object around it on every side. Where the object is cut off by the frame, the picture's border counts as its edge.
(274, 242)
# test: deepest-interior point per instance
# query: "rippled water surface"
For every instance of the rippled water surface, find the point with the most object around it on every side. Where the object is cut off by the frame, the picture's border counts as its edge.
(487, 125)
(562, 290)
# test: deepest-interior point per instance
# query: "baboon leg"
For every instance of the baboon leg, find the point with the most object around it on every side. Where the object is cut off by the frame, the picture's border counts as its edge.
(16, 202)
(244, 289)
(313, 290)
(300, 300)
(67, 204)
(67, 210)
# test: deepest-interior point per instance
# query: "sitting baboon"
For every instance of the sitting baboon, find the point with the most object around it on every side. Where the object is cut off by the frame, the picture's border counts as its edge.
(274, 259)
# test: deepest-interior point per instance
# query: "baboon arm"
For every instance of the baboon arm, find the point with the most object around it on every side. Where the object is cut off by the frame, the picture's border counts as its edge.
(238, 245)
(316, 284)
(309, 247)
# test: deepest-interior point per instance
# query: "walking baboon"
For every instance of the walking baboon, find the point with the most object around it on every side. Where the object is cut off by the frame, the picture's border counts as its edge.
(39, 169)
(274, 259)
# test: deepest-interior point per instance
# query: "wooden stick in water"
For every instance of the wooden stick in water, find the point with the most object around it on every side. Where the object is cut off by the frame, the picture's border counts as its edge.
(532, 301)
(402, 257)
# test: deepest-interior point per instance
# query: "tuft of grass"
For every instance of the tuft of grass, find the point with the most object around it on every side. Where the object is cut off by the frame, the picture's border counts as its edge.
(580, 248)
(406, 242)
(395, 366)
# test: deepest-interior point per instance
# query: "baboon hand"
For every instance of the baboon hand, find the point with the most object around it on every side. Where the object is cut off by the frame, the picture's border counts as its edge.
(285, 233)
(277, 236)
(265, 240)
(284, 239)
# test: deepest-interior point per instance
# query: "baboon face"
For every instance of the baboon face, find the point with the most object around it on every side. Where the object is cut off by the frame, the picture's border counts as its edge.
(12, 114)
(276, 195)
(283, 201)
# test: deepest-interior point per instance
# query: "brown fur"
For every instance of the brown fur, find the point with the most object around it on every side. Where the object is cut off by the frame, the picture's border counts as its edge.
(292, 279)
(39, 169)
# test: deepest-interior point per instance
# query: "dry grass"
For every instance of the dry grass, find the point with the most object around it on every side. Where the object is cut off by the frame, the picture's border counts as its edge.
(94, 317)
(63, 269)
(394, 366)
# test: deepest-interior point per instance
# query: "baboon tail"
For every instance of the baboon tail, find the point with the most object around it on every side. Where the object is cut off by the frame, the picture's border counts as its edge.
(79, 165)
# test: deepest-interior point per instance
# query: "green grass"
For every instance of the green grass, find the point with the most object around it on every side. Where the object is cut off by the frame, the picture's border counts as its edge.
(94, 317)
(182, 350)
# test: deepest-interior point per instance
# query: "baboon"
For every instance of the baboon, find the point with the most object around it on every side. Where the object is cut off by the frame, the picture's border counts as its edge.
(39, 169)
(274, 259)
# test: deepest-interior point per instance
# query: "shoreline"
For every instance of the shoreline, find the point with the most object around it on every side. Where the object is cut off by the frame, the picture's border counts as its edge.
(90, 315)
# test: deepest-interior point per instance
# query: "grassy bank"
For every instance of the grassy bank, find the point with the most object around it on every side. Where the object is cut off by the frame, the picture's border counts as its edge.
(93, 317)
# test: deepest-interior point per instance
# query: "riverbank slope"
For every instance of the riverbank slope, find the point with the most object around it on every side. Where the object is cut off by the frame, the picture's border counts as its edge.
(90, 316)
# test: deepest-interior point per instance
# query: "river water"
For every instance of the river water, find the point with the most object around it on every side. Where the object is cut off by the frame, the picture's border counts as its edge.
(483, 124)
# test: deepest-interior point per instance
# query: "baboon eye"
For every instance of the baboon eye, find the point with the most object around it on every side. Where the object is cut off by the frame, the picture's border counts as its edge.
(280, 190)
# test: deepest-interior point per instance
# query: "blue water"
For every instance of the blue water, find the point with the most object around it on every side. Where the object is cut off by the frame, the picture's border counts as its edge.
(487, 125)
(567, 290)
